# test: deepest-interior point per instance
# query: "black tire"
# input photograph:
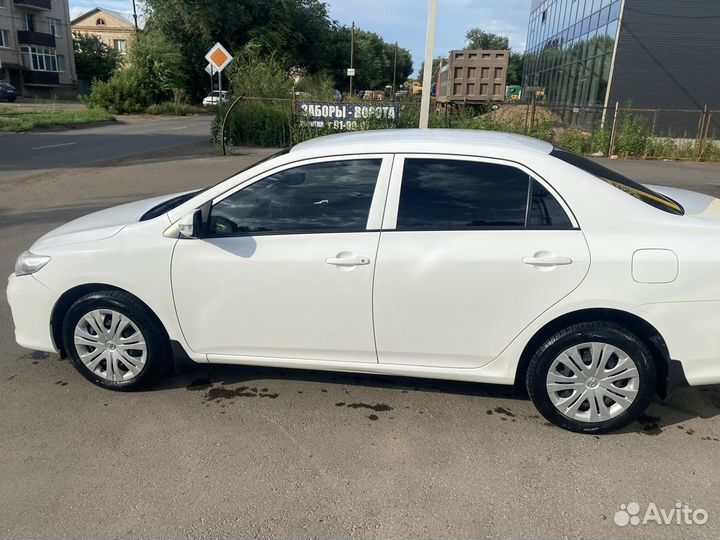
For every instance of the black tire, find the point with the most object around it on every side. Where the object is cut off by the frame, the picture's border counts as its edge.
(598, 331)
(158, 357)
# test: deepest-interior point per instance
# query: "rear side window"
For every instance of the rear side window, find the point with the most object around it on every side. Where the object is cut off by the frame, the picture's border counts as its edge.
(640, 192)
(545, 210)
(443, 194)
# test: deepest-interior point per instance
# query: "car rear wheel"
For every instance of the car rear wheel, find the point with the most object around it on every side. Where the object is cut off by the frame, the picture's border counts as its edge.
(114, 341)
(591, 377)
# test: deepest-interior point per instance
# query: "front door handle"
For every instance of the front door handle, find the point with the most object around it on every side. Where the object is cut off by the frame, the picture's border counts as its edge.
(547, 261)
(347, 261)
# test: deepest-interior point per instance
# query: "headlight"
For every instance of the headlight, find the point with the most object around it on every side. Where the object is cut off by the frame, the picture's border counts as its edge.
(29, 263)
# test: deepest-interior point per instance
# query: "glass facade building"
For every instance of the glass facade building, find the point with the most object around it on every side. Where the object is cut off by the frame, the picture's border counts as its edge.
(570, 50)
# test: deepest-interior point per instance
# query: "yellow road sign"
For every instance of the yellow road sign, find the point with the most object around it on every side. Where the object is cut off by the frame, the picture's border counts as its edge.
(218, 57)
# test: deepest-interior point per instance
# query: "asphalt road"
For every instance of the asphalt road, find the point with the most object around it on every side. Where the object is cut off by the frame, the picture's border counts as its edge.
(320, 455)
(40, 151)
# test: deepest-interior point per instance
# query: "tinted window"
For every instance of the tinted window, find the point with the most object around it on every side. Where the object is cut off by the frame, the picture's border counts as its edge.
(646, 195)
(310, 198)
(453, 194)
(545, 210)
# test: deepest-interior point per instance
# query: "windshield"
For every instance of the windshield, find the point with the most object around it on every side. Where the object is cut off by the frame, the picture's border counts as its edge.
(165, 206)
(640, 192)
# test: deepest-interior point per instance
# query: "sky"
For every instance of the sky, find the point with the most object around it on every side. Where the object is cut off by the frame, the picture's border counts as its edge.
(405, 21)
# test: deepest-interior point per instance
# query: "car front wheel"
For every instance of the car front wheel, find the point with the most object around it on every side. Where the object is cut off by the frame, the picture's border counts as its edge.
(592, 377)
(115, 341)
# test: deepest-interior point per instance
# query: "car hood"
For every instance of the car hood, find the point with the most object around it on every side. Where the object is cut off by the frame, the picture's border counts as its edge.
(98, 225)
(696, 205)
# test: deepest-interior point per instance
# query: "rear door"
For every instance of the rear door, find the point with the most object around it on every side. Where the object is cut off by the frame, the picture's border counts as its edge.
(472, 250)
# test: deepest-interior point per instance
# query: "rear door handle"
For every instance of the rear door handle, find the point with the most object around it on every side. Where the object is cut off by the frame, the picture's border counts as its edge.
(347, 261)
(547, 261)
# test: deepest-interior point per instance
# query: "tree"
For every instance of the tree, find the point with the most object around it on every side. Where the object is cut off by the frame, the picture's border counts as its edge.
(373, 60)
(476, 38)
(299, 31)
(159, 64)
(93, 59)
(435, 65)
(515, 68)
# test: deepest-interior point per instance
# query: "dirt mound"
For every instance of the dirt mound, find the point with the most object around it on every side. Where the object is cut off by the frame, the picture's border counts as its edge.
(514, 114)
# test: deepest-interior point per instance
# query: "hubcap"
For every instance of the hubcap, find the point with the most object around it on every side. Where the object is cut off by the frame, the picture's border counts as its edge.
(593, 382)
(110, 345)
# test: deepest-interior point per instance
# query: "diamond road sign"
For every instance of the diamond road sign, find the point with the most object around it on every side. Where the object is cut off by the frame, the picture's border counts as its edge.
(218, 57)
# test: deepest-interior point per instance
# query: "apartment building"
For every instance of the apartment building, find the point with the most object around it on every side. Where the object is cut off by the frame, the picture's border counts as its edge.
(36, 48)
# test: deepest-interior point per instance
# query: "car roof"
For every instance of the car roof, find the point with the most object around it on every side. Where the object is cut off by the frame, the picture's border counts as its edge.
(438, 141)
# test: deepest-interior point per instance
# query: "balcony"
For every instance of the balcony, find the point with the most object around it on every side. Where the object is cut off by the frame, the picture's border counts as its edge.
(42, 5)
(26, 37)
(40, 78)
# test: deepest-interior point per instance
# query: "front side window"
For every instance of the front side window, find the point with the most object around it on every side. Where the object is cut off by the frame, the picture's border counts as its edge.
(443, 194)
(623, 183)
(4, 38)
(121, 46)
(319, 197)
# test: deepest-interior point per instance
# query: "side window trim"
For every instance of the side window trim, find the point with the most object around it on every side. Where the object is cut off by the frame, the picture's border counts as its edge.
(392, 204)
(377, 205)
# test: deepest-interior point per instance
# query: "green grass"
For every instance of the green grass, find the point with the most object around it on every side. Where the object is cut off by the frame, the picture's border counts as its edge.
(12, 119)
(177, 109)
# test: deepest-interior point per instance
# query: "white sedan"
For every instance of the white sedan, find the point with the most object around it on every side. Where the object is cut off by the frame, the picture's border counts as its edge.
(216, 97)
(461, 255)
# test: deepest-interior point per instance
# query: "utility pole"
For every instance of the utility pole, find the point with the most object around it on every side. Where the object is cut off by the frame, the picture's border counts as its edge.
(137, 29)
(352, 56)
(427, 72)
(394, 70)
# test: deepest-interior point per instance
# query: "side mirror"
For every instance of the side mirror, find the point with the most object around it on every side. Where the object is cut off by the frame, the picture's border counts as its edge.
(191, 225)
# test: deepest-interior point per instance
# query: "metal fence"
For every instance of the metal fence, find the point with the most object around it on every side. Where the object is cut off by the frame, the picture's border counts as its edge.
(287, 121)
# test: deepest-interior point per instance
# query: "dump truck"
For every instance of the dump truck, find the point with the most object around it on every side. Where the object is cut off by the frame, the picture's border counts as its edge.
(473, 77)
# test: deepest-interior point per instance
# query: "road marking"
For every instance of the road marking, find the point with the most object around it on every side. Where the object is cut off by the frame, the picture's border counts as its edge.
(176, 128)
(53, 145)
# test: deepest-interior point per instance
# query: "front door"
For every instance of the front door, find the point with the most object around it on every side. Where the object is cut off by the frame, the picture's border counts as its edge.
(471, 252)
(286, 269)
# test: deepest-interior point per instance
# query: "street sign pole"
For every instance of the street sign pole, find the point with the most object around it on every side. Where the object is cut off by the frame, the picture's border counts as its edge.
(218, 59)
(220, 93)
(352, 56)
(427, 72)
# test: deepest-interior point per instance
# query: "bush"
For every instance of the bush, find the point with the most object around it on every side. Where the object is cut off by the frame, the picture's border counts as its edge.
(572, 140)
(265, 123)
(259, 75)
(600, 141)
(633, 137)
(320, 86)
(125, 93)
(152, 77)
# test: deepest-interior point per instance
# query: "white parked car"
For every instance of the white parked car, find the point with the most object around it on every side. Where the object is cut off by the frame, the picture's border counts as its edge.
(459, 255)
(214, 98)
